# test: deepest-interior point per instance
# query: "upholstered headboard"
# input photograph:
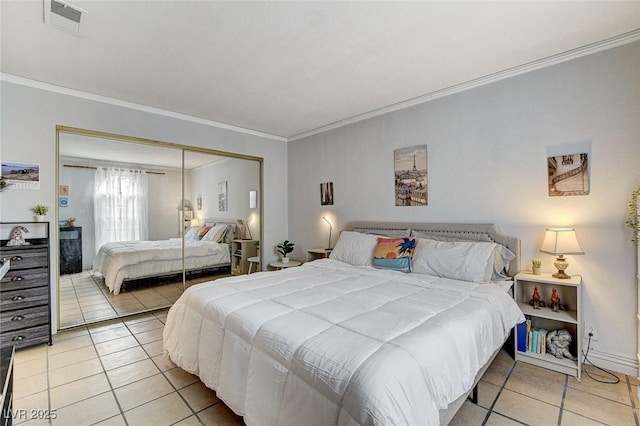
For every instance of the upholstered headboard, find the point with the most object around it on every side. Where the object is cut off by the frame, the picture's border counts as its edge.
(233, 223)
(447, 232)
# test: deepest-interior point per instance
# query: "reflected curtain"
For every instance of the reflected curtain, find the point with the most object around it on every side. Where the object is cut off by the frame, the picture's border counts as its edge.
(120, 205)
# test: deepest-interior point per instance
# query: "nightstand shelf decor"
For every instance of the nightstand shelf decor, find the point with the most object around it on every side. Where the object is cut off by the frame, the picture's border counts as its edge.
(544, 320)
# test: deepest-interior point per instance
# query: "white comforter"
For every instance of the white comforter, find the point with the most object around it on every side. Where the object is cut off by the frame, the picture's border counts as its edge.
(328, 343)
(114, 257)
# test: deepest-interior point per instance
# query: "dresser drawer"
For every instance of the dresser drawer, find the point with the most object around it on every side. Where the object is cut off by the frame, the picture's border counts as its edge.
(26, 278)
(24, 298)
(25, 337)
(26, 258)
(25, 318)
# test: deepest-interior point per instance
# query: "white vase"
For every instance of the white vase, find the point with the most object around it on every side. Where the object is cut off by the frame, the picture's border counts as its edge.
(285, 259)
(38, 218)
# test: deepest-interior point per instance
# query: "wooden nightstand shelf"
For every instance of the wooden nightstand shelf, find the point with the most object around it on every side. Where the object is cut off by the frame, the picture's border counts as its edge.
(317, 253)
(570, 293)
(241, 251)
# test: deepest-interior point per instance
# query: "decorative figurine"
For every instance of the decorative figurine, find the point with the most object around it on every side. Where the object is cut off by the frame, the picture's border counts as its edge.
(558, 342)
(536, 298)
(555, 300)
(17, 237)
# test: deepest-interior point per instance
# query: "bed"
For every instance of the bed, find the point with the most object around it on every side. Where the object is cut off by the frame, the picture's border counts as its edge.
(122, 261)
(337, 341)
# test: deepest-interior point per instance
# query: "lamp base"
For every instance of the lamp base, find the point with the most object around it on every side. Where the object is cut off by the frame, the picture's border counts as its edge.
(561, 264)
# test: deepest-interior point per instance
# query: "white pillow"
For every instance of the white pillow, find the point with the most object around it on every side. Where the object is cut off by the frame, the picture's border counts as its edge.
(215, 234)
(355, 248)
(459, 260)
(192, 233)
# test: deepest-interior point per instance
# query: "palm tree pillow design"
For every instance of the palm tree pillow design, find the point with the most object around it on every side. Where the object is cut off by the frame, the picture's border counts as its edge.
(395, 253)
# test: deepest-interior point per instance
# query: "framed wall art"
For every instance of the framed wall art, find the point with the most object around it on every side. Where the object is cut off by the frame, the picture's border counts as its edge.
(410, 169)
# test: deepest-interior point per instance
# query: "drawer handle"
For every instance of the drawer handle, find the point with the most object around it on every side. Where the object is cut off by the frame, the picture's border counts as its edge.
(16, 278)
(16, 298)
(17, 338)
(15, 258)
(17, 318)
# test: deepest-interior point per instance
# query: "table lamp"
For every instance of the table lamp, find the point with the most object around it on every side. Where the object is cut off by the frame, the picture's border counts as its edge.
(561, 241)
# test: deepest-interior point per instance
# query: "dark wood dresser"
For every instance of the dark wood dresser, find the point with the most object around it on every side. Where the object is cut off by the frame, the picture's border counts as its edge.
(25, 294)
(6, 383)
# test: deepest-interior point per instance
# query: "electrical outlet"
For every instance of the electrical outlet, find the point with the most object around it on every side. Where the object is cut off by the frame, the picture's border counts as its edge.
(590, 328)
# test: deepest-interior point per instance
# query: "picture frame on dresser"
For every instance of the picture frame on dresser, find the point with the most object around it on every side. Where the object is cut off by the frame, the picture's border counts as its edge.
(25, 290)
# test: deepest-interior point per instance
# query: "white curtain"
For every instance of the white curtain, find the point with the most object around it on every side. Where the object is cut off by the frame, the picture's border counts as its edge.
(120, 205)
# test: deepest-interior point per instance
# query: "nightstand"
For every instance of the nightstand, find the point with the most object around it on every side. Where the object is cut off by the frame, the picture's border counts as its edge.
(241, 251)
(318, 253)
(570, 293)
(290, 264)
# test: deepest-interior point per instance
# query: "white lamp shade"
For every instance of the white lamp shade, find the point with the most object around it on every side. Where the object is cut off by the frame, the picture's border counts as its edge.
(560, 241)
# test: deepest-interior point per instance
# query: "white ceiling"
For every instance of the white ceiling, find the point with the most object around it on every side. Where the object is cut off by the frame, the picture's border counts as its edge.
(292, 68)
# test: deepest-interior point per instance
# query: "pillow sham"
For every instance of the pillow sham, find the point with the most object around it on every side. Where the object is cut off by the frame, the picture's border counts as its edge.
(354, 248)
(394, 253)
(215, 234)
(192, 233)
(202, 232)
(459, 260)
(502, 257)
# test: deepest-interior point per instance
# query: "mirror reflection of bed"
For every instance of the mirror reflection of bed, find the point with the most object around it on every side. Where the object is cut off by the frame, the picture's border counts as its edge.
(167, 255)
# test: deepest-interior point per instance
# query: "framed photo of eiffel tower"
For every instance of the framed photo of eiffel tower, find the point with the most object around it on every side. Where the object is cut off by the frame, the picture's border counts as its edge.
(410, 167)
(568, 175)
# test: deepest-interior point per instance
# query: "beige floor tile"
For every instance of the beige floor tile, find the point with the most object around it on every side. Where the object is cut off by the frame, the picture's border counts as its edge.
(618, 392)
(469, 414)
(124, 357)
(143, 326)
(25, 408)
(198, 396)
(72, 357)
(596, 408)
(30, 368)
(536, 382)
(77, 371)
(220, 415)
(132, 372)
(113, 421)
(572, 419)
(29, 354)
(143, 391)
(162, 411)
(525, 409)
(180, 378)
(29, 385)
(70, 334)
(116, 345)
(78, 390)
(498, 370)
(88, 411)
(487, 393)
(70, 344)
(153, 348)
(148, 316)
(103, 326)
(496, 419)
(163, 363)
(113, 333)
(32, 422)
(149, 336)
(190, 421)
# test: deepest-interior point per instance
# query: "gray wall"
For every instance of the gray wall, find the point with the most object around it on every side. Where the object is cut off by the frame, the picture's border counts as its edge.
(487, 162)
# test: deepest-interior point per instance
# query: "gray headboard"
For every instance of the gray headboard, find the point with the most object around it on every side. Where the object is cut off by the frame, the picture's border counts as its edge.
(446, 231)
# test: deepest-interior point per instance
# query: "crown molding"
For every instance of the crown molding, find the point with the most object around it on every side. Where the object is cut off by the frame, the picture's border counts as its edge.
(481, 81)
(131, 105)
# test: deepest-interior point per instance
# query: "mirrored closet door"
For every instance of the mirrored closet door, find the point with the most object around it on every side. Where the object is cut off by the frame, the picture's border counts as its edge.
(133, 221)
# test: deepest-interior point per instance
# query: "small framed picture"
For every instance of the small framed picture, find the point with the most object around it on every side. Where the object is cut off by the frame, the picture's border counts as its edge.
(326, 194)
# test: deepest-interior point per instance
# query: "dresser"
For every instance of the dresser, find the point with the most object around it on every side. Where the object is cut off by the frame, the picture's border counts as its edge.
(6, 383)
(25, 294)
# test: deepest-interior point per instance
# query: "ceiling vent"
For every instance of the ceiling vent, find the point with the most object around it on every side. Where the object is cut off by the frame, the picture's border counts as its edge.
(65, 16)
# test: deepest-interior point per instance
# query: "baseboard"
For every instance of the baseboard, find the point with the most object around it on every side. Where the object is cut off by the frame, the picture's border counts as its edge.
(617, 363)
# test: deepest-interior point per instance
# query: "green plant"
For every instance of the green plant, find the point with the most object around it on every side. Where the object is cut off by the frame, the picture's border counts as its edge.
(285, 247)
(71, 219)
(536, 263)
(40, 210)
(633, 221)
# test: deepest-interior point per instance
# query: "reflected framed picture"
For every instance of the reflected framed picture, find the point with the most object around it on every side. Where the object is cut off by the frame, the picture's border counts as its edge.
(222, 196)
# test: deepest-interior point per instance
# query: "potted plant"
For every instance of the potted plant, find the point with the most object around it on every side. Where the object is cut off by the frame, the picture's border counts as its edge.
(71, 222)
(40, 211)
(536, 266)
(284, 248)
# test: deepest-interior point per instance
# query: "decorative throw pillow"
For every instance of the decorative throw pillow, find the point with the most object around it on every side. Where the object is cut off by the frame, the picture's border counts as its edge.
(215, 234)
(202, 232)
(394, 253)
(192, 233)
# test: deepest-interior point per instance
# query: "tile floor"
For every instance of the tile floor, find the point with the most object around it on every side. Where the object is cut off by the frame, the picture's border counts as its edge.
(84, 298)
(114, 373)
